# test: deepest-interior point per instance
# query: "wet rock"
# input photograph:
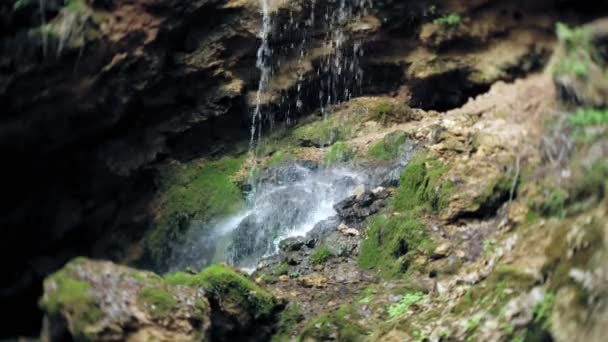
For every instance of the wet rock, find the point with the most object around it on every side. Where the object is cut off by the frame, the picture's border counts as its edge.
(324, 228)
(293, 244)
(356, 209)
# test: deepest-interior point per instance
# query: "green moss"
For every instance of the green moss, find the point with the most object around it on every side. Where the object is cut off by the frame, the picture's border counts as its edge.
(389, 147)
(497, 190)
(320, 255)
(542, 310)
(287, 321)
(197, 191)
(404, 304)
(551, 204)
(281, 269)
(585, 117)
(338, 153)
(590, 183)
(228, 286)
(391, 244)
(179, 278)
(71, 295)
(340, 325)
(160, 302)
(421, 186)
(328, 130)
(382, 111)
(578, 52)
(451, 20)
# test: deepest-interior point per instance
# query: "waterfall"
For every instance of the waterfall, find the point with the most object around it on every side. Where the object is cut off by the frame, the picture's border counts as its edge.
(291, 199)
(263, 63)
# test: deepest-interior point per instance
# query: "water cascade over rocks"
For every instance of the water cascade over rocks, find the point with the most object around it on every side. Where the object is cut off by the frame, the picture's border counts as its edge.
(290, 200)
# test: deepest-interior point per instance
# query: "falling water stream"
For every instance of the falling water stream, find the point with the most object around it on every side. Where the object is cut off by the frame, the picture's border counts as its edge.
(289, 200)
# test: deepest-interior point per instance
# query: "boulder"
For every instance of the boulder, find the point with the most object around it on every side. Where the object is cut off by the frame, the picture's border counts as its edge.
(101, 301)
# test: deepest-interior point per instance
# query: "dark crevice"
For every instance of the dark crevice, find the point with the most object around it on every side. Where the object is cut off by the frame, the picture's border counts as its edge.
(445, 91)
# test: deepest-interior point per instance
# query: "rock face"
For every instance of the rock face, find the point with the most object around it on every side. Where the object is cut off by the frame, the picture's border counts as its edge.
(100, 301)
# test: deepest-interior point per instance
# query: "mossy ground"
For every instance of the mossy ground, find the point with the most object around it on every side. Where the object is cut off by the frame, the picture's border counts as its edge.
(389, 147)
(341, 325)
(198, 191)
(339, 152)
(422, 187)
(391, 244)
(230, 287)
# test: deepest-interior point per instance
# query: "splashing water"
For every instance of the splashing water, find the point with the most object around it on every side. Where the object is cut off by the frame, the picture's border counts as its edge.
(290, 200)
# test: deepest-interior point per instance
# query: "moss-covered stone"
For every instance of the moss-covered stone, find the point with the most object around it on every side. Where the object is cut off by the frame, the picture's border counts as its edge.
(287, 321)
(97, 300)
(422, 187)
(338, 153)
(73, 296)
(320, 255)
(197, 191)
(235, 291)
(389, 147)
(340, 325)
(160, 301)
(391, 244)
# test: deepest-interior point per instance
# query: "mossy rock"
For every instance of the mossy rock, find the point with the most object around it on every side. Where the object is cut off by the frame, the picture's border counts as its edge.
(91, 300)
(339, 152)
(198, 191)
(392, 243)
(340, 325)
(237, 295)
(422, 187)
(390, 147)
(288, 319)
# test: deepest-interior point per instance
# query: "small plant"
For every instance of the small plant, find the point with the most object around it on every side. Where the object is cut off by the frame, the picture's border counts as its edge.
(542, 310)
(382, 111)
(585, 117)
(578, 47)
(320, 255)
(451, 20)
(408, 300)
(473, 324)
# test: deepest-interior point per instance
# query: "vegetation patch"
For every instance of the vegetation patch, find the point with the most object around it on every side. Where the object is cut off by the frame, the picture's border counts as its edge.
(197, 191)
(325, 132)
(422, 187)
(71, 296)
(388, 148)
(288, 319)
(382, 112)
(340, 325)
(339, 152)
(586, 117)
(320, 255)
(578, 47)
(450, 20)
(158, 300)
(404, 304)
(391, 244)
(230, 287)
